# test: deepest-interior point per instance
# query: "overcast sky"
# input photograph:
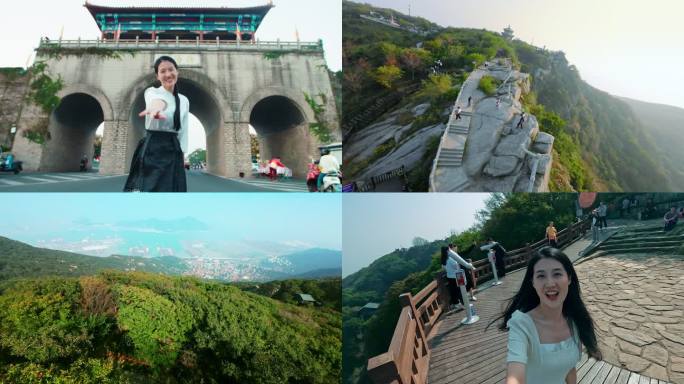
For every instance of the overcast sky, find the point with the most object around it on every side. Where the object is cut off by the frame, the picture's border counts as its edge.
(625, 47)
(23, 23)
(375, 224)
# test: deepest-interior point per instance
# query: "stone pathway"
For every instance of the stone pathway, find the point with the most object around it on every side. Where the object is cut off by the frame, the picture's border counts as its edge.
(637, 303)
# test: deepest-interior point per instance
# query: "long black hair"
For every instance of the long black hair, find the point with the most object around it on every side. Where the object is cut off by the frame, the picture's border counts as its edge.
(176, 114)
(445, 255)
(573, 307)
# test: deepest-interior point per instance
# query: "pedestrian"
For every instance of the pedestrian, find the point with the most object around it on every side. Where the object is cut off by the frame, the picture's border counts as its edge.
(454, 291)
(602, 213)
(498, 101)
(551, 234)
(522, 120)
(158, 161)
(312, 176)
(500, 256)
(670, 218)
(273, 166)
(595, 226)
(471, 253)
(458, 112)
(470, 99)
(625, 206)
(460, 261)
(548, 323)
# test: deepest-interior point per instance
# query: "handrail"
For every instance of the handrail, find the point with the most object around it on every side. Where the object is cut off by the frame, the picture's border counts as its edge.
(379, 179)
(403, 365)
(146, 44)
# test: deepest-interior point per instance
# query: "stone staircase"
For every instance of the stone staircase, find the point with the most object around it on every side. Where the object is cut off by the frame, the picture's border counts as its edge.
(641, 239)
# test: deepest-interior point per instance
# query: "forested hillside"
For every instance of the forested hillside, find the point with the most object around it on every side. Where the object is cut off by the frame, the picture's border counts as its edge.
(600, 143)
(119, 327)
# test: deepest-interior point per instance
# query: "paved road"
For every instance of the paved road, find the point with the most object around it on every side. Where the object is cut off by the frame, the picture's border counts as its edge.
(198, 181)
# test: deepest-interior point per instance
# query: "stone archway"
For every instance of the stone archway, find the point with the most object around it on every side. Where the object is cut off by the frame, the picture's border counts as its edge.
(281, 119)
(72, 127)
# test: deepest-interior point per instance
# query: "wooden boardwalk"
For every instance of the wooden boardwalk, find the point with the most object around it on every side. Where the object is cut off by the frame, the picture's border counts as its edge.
(470, 354)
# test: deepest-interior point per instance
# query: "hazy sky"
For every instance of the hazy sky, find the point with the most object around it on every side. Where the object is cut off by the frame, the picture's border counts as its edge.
(378, 223)
(312, 219)
(23, 23)
(625, 47)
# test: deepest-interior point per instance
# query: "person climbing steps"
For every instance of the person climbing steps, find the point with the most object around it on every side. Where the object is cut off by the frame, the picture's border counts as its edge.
(522, 120)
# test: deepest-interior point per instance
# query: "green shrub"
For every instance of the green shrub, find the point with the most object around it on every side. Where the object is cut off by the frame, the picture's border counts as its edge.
(488, 85)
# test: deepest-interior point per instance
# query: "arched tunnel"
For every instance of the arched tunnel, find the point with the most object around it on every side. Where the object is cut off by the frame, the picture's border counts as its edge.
(202, 105)
(72, 127)
(282, 130)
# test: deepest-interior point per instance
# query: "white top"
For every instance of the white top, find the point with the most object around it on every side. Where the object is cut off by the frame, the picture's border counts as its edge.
(453, 264)
(544, 363)
(152, 124)
(329, 163)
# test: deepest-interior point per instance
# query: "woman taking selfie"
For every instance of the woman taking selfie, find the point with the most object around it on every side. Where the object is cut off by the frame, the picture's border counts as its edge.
(158, 161)
(547, 323)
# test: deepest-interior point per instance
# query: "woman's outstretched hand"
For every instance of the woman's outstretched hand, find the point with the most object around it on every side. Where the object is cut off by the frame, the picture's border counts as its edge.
(155, 114)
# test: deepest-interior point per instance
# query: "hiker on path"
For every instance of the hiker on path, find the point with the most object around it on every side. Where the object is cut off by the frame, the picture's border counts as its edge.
(470, 99)
(500, 255)
(522, 120)
(458, 112)
(551, 234)
(625, 206)
(595, 226)
(602, 213)
(670, 218)
(547, 322)
(498, 101)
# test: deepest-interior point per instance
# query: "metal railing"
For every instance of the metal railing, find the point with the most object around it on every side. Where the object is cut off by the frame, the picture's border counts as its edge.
(372, 183)
(178, 44)
(408, 358)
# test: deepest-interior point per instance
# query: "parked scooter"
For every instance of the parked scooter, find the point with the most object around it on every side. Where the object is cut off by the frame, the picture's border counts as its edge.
(331, 182)
(7, 164)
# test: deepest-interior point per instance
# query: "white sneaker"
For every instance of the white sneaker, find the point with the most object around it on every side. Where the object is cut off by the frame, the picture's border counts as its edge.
(473, 298)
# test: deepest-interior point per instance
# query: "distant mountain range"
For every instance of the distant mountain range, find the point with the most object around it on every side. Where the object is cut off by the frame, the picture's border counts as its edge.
(666, 125)
(18, 259)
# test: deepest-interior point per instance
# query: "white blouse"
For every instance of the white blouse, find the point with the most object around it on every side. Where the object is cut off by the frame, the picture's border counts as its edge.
(152, 124)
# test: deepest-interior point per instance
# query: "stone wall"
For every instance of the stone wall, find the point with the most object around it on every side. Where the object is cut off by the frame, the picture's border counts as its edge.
(231, 83)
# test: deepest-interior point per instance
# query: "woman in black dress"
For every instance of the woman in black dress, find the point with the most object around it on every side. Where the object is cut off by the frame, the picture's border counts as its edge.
(158, 161)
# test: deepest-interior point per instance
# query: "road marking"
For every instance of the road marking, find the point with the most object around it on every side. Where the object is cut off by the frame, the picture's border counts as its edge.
(274, 185)
(38, 179)
(63, 177)
(11, 182)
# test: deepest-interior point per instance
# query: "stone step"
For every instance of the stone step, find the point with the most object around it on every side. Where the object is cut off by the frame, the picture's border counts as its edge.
(647, 240)
(459, 130)
(610, 247)
(451, 151)
(449, 163)
(660, 235)
(606, 252)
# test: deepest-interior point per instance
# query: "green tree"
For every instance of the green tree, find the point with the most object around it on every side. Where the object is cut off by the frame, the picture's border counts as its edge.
(386, 75)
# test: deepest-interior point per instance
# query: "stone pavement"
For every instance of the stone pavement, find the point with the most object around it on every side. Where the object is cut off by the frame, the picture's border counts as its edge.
(637, 304)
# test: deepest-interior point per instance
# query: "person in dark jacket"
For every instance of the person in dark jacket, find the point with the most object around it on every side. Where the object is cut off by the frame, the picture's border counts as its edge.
(500, 253)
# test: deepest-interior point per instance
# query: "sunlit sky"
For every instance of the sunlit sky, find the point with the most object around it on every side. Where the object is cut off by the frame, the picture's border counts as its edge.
(23, 23)
(625, 47)
(374, 225)
(309, 220)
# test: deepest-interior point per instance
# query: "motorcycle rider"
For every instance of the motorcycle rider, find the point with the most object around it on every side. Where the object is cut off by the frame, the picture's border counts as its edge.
(328, 164)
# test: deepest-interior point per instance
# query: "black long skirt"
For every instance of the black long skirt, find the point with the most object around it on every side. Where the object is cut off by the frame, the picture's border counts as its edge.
(157, 165)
